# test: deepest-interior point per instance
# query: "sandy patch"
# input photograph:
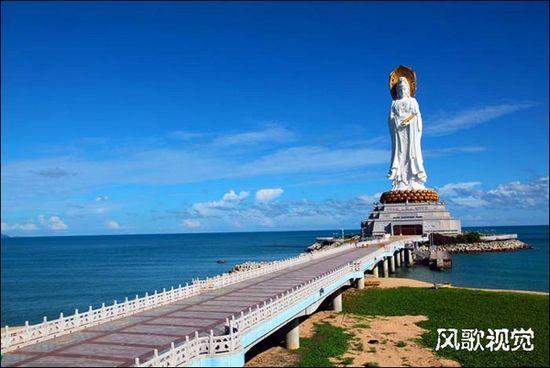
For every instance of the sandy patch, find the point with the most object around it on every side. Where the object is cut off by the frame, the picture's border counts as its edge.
(387, 341)
(505, 291)
(393, 282)
(274, 357)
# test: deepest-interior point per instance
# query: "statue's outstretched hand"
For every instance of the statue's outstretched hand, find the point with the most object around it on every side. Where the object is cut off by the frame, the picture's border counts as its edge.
(407, 120)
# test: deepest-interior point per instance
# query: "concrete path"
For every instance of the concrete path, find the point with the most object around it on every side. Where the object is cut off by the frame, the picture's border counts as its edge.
(119, 342)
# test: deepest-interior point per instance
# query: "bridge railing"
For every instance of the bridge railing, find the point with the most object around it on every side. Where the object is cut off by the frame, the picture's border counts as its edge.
(16, 338)
(29, 334)
(207, 345)
(237, 327)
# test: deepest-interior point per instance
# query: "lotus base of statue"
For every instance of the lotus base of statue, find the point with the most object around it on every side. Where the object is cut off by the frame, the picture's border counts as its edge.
(410, 196)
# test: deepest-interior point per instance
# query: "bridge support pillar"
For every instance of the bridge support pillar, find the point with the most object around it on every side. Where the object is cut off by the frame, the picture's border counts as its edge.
(392, 264)
(337, 303)
(408, 254)
(402, 256)
(292, 338)
(397, 259)
(375, 270)
(361, 283)
(385, 267)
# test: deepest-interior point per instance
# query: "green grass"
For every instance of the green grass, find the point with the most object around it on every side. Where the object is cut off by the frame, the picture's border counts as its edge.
(361, 325)
(357, 346)
(346, 361)
(371, 364)
(400, 344)
(327, 342)
(460, 309)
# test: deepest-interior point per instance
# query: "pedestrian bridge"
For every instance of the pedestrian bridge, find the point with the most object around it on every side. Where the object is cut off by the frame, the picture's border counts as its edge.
(210, 322)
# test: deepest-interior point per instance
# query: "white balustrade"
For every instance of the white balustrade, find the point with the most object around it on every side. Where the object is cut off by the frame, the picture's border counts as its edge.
(30, 334)
(209, 345)
(15, 338)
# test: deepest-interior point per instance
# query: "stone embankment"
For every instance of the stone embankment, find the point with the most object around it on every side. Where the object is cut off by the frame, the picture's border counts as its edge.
(315, 247)
(248, 266)
(493, 246)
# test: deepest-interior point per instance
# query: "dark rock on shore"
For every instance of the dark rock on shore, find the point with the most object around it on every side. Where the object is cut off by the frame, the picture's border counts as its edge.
(491, 246)
(246, 266)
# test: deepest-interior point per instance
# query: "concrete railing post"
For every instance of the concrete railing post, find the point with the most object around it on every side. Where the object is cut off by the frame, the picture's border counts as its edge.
(292, 338)
(385, 267)
(337, 303)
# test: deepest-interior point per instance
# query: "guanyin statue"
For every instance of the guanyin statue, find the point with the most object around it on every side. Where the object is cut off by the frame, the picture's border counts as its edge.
(405, 123)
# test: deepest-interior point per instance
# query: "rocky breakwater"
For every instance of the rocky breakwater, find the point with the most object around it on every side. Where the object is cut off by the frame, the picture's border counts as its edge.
(247, 266)
(330, 242)
(491, 246)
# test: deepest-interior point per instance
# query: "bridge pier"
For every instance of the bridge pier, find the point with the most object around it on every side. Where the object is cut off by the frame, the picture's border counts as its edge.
(292, 338)
(397, 259)
(375, 270)
(337, 302)
(361, 283)
(392, 264)
(402, 256)
(385, 267)
(409, 257)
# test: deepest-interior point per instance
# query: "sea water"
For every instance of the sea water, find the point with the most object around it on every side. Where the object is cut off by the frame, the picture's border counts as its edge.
(521, 269)
(43, 276)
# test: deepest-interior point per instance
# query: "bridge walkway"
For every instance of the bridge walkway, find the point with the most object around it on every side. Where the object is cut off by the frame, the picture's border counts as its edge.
(120, 342)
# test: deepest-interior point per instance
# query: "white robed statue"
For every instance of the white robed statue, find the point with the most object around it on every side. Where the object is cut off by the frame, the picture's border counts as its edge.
(405, 123)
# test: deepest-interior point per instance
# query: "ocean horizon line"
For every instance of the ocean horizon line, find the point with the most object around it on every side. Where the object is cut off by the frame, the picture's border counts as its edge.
(230, 232)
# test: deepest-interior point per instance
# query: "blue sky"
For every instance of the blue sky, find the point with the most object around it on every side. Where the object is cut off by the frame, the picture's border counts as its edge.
(198, 117)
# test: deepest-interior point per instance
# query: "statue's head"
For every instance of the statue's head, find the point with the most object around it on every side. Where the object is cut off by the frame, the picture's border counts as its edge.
(403, 89)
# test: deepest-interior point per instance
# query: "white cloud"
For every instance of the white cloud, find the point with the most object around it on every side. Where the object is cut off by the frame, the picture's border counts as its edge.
(520, 194)
(465, 199)
(52, 223)
(185, 135)
(270, 134)
(436, 152)
(191, 223)
(155, 162)
(455, 189)
(516, 194)
(370, 199)
(231, 196)
(308, 159)
(28, 226)
(111, 224)
(452, 122)
(56, 223)
(42, 220)
(268, 194)
(229, 200)
(469, 201)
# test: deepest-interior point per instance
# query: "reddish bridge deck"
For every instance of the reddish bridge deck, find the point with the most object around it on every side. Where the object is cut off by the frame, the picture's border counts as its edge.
(119, 342)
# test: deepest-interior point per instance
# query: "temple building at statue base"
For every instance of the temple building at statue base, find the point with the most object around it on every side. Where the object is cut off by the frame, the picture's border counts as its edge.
(413, 212)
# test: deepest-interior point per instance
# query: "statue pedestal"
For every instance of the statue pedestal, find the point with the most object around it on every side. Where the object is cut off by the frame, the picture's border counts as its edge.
(424, 215)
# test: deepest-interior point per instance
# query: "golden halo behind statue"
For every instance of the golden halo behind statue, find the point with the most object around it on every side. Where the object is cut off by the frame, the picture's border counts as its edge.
(402, 71)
